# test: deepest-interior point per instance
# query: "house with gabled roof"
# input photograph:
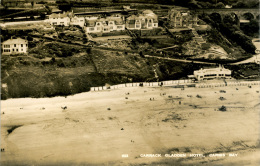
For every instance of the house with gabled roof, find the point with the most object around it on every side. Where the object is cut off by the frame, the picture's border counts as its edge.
(14, 46)
(146, 20)
(76, 20)
(60, 18)
(181, 18)
(108, 24)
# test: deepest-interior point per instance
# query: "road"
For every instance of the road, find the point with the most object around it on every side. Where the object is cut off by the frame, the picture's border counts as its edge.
(254, 59)
(180, 60)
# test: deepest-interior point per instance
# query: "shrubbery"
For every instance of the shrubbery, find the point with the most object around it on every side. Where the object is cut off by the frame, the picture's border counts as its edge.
(229, 29)
(54, 49)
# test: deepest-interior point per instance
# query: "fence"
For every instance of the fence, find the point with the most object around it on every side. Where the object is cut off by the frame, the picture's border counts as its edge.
(143, 84)
(238, 83)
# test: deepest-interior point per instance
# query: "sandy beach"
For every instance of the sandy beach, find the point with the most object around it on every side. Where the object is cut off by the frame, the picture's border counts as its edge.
(97, 128)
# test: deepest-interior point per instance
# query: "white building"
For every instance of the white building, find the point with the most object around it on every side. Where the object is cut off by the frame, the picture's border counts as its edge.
(75, 20)
(14, 46)
(146, 20)
(59, 19)
(212, 73)
(108, 24)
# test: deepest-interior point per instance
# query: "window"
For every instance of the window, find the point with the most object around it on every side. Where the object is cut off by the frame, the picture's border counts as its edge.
(6, 46)
(154, 25)
(26, 45)
(210, 75)
(13, 49)
(6, 50)
(21, 45)
(91, 29)
(98, 28)
(119, 27)
(21, 49)
(14, 45)
(17, 50)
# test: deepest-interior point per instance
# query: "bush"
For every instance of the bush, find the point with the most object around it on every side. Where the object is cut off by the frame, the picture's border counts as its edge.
(205, 46)
(39, 56)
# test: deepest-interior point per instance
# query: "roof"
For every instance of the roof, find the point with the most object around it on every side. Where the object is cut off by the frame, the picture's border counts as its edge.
(90, 23)
(212, 70)
(141, 16)
(148, 12)
(117, 20)
(59, 15)
(15, 41)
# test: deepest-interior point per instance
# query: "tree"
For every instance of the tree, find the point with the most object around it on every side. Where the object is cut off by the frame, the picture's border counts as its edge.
(182, 2)
(141, 54)
(251, 28)
(64, 5)
(220, 5)
(240, 5)
(115, 1)
(231, 19)
(89, 50)
(244, 41)
(42, 15)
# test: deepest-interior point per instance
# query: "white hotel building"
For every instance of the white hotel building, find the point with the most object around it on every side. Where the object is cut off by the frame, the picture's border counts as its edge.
(212, 73)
